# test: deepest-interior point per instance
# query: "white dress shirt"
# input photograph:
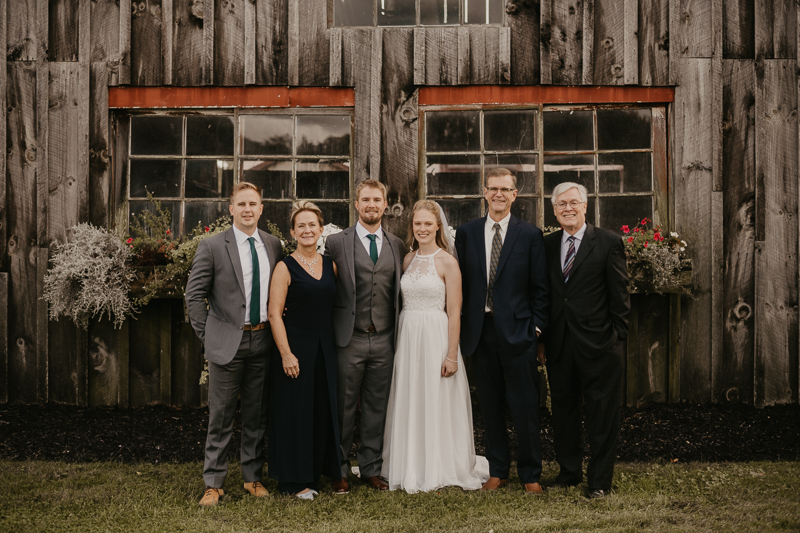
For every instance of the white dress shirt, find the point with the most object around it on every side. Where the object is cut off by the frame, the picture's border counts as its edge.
(488, 234)
(362, 233)
(565, 245)
(247, 270)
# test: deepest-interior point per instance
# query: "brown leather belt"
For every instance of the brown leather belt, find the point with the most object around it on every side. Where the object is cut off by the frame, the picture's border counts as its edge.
(372, 329)
(257, 327)
(489, 313)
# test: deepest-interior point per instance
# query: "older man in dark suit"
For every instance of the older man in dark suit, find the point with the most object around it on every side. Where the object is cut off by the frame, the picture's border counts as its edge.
(583, 345)
(505, 292)
(231, 271)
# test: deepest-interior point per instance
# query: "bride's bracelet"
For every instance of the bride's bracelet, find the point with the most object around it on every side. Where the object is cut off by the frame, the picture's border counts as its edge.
(456, 361)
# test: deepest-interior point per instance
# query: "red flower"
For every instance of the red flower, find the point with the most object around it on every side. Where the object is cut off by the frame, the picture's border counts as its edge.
(626, 229)
(630, 239)
(207, 229)
(168, 232)
(657, 236)
(636, 230)
(644, 221)
(130, 240)
(645, 244)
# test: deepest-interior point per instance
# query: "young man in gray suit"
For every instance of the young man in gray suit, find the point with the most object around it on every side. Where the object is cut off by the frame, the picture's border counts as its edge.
(232, 271)
(365, 316)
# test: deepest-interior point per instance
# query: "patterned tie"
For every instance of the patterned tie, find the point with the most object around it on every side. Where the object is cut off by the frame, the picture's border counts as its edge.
(373, 248)
(497, 245)
(255, 295)
(570, 259)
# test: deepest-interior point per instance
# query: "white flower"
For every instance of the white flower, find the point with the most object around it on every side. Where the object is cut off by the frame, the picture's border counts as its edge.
(327, 231)
(673, 234)
(682, 248)
(683, 243)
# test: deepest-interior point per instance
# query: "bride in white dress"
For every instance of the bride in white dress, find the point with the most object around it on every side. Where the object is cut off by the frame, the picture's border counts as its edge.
(428, 442)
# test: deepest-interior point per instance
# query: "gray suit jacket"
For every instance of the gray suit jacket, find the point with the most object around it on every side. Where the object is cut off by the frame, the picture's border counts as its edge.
(340, 247)
(216, 276)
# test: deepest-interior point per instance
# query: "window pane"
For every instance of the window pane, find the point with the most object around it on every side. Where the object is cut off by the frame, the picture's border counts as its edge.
(525, 209)
(507, 131)
(523, 167)
(575, 168)
(174, 209)
(323, 135)
(496, 10)
(156, 135)
(160, 177)
(453, 174)
(453, 131)
(210, 135)
(335, 213)
(623, 129)
(203, 214)
(550, 217)
(323, 179)
(274, 177)
(620, 210)
(352, 12)
(278, 214)
(437, 12)
(208, 178)
(625, 172)
(461, 211)
(568, 131)
(266, 135)
(397, 13)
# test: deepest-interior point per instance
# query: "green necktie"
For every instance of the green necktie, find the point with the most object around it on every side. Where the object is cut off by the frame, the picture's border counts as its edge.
(255, 295)
(373, 248)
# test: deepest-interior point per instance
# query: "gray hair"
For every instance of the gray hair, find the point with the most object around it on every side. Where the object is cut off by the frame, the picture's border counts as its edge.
(561, 188)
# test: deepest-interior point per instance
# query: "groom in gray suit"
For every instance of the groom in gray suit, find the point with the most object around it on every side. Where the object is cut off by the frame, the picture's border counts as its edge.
(365, 315)
(231, 271)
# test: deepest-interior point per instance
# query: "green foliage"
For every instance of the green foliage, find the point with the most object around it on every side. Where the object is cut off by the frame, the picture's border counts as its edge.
(654, 258)
(288, 245)
(150, 236)
(90, 277)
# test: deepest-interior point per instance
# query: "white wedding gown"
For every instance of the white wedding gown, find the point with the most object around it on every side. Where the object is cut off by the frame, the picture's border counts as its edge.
(428, 442)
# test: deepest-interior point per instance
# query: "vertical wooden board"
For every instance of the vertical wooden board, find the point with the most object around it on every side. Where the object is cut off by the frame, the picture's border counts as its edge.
(119, 142)
(167, 31)
(359, 55)
(693, 154)
(566, 42)
(776, 29)
(484, 50)
(187, 360)
(99, 169)
(207, 68)
(105, 30)
(399, 128)
(63, 30)
(3, 337)
(631, 61)
(694, 34)
(735, 370)
(165, 349)
(144, 365)
(609, 43)
(250, 42)
(654, 43)
(526, 30)
(294, 44)
(229, 42)
(42, 337)
(146, 18)
(68, 371)
(21, 186)
(631, 384)
(3, 126)
(272, 42)
(545, 43)
(651, 371)
(717, 295)
(463, 55)
(441, 56)
(22, 30)
(587, 69)
(504, 56)
(777, 170)
(107, 363)
(376, 104)
(674, 348)
(738, 29)
(124, 62)
(187, 49)
(313, 54)
(335, 74)
(419, 56)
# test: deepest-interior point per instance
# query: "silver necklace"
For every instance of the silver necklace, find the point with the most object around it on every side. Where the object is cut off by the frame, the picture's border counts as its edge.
(309, 264)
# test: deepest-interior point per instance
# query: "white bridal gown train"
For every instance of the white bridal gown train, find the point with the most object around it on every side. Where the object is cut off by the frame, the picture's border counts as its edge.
(428, 442)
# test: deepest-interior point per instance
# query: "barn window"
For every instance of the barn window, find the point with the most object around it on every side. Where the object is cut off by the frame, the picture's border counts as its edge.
(190, 160)
(608, 149)
(416, 12)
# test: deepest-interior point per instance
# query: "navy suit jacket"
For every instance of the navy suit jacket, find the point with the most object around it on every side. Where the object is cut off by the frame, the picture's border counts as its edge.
(520, 293)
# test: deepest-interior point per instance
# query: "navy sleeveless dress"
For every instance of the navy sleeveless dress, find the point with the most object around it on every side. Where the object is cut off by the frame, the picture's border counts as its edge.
(303, 420)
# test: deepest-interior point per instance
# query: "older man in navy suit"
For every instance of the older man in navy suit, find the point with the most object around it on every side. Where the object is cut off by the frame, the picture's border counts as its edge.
(504, 277)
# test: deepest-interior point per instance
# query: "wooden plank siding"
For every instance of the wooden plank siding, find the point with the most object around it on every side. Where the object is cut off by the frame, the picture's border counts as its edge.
(229, 42)
(187, 48)
(609, 43)
(63, 30)
(653, 43)
(145, 39)
(776, 29)
(526, 23)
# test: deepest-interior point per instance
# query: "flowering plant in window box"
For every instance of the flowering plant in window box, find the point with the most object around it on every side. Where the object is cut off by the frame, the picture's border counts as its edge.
(656, 260)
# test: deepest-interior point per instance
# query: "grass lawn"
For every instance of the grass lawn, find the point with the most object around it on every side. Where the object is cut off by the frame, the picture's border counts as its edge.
(51, 496)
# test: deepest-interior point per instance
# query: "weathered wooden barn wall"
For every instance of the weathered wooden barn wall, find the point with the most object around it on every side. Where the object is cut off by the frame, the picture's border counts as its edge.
(734, 148)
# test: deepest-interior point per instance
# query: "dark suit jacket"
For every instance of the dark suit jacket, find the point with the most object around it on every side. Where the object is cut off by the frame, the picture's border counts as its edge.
(595, 301)
(520, 292)
(217, 276)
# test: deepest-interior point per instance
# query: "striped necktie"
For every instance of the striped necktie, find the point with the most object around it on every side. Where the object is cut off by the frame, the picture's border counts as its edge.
(497, 246)
(570, 259)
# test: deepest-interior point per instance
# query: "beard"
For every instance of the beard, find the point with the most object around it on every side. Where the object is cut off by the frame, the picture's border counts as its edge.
(371, 217)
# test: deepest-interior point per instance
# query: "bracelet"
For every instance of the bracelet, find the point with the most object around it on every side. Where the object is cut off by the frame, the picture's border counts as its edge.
(456, 361)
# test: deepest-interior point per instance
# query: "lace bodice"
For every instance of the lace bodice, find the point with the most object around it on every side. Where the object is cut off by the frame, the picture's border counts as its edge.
(421, 286)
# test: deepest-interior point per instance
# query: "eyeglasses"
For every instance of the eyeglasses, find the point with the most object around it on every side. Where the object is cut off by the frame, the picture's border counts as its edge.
(504, 190)
(573, 204)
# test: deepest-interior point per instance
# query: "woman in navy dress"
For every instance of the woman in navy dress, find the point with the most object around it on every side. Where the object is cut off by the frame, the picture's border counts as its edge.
(303, 424)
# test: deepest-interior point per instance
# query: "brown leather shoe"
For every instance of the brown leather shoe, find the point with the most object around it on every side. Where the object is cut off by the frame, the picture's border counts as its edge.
(494, 483)
(376, 482)
(211, 496)
(256, 489)
(341, 486)
(534, 488)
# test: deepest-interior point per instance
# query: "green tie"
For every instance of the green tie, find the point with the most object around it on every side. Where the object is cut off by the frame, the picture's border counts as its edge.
(373, 248)
(255, 295)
